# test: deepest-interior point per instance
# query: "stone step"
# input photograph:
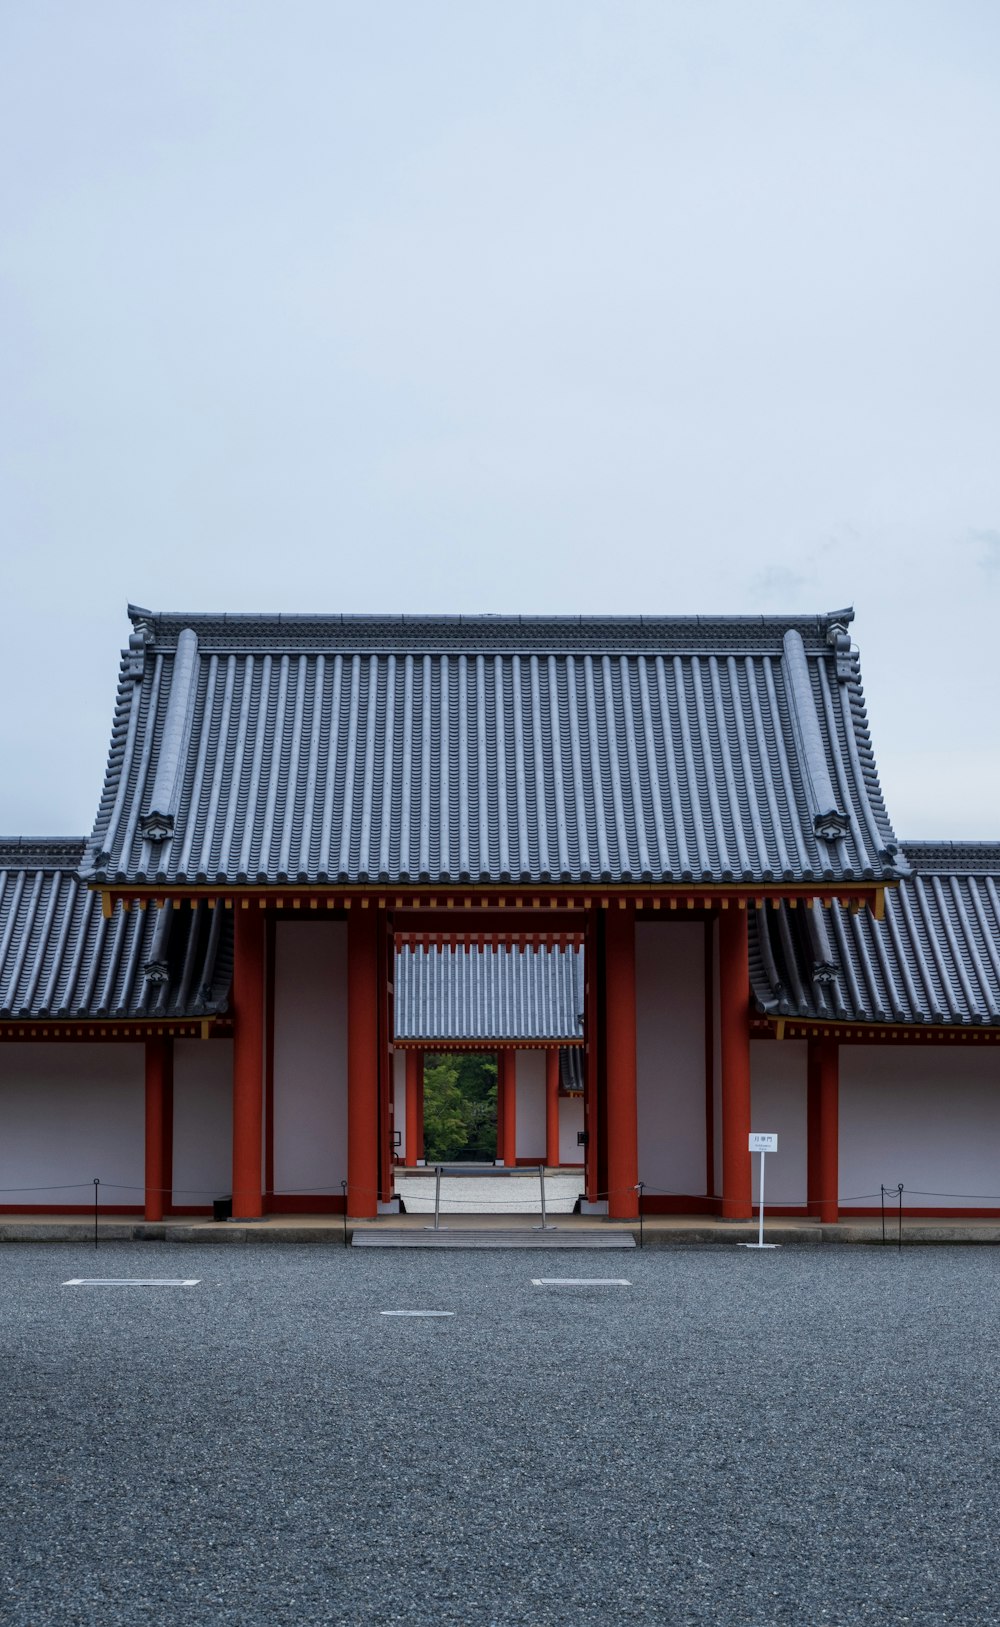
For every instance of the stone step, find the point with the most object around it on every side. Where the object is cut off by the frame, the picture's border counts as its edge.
(488, 1237)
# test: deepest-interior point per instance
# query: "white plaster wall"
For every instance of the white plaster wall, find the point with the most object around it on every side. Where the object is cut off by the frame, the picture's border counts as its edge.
(69, 1113)
(310, 1057)
(203, 1120)
(926, 1116)
(530, 1075)
(779, 1104)
(670, 1056)
(399, 1121)
(570, 1122)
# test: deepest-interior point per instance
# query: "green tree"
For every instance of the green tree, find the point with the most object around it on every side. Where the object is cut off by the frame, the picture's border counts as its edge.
(445, 1126)
(460, 1106)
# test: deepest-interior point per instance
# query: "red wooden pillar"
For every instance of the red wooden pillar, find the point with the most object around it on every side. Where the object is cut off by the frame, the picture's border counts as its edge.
(420, 1109)
(734, 1035)
(622, 1112)
(507, 1107)
(823, 1173)
(414, 1106)
(593, 1024)
(552, 1108)
(248, 1061)
(362, 1064)
(159, 1125)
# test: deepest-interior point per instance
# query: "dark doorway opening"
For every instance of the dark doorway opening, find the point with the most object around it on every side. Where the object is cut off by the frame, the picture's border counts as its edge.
(460, 1107)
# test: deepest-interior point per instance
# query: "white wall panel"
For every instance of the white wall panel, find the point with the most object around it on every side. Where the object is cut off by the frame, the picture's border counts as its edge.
(310, 1057)
(530, 1073)
(670, 1056)
(926, 1116)
(779, 1103)
(570, 1124)
(203, 1120)
(399, 1120)
(69, 1113)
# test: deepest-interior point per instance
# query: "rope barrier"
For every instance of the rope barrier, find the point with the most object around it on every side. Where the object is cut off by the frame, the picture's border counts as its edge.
(427, 1176)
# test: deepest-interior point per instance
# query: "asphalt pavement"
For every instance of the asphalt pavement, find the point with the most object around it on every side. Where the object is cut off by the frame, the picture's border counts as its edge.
(801, 1437)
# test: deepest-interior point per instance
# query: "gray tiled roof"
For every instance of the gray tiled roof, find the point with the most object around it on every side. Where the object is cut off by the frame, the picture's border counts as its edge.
(275, 749)
(934, 959)
(59, 957)
(482, 993)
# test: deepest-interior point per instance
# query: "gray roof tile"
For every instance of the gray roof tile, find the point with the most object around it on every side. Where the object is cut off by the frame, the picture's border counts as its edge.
(60, 958)
(935, 959)
(480, 993)
(353, 750)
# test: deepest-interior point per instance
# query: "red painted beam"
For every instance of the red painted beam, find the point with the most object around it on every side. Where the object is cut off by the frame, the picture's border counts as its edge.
(362, 1064)
(734, 1035)
(823, 1171)
(507, 1065)
(248, 1062)
(414, 1107)
(552, 1108)
(159, 1125)
(620, 1093)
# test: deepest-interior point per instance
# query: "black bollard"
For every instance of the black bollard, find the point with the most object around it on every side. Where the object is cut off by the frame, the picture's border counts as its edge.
(97, 1186)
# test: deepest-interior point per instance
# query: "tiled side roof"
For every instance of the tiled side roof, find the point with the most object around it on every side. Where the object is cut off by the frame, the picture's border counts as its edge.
(934, 959)
(257, 750)
(59, 957)
(482, 993)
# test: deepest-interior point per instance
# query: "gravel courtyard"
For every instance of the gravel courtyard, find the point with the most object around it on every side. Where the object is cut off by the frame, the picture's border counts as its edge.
(801, 1437)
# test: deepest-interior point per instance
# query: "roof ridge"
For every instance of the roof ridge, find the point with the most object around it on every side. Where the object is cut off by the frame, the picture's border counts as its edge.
(466, 635)
(272, 618)
(944, 856)
(24, 849)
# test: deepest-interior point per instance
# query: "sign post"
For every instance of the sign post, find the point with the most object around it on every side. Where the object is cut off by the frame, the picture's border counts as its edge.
(762, 1144)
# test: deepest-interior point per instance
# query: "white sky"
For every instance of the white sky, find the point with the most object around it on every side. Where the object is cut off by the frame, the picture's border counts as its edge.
(557, 306)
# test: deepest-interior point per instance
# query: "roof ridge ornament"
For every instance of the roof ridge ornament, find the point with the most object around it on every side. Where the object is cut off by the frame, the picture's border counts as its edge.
(140, 640)
(824, 962)
(157, 823)
(839, 640)
(830, 822)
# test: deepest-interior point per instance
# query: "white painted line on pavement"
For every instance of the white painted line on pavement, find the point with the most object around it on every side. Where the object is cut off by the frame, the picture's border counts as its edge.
(581, 1282)
(416, 1313)
(132, 1282)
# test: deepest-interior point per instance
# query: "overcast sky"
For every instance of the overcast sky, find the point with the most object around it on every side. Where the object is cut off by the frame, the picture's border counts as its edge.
(561, 306)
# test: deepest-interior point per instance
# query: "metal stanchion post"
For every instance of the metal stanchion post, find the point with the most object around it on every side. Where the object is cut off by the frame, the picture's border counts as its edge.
(97, 1185)
(544, 1227)
(343, 1188)
(882, 1205)
(437, 1197)
(642, 1236)
(899, 1246)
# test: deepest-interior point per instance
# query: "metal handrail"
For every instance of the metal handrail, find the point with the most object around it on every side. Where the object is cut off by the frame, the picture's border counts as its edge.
(485, 1169)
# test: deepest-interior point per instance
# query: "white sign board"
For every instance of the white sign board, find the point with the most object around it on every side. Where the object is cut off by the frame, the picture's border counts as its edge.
(763, 1143)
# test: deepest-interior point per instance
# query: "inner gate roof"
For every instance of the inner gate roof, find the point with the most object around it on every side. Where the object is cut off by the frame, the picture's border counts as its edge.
(934, 959)
(479, 994)
(321, 750)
